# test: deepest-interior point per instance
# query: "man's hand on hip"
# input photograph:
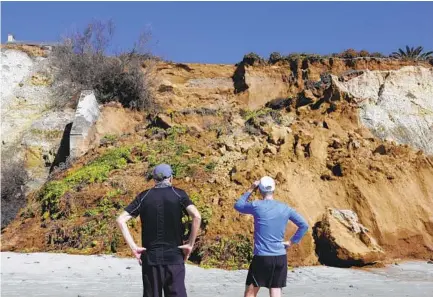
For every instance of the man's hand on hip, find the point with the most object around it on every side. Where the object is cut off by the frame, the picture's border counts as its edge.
(287, 244)
(137, 253)
(186, 249)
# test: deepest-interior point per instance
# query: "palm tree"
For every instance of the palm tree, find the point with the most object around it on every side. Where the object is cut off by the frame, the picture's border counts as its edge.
(412, 54)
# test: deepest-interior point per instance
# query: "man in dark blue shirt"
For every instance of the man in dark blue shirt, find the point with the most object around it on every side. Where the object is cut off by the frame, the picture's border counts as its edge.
(163, 253)
(269, 265)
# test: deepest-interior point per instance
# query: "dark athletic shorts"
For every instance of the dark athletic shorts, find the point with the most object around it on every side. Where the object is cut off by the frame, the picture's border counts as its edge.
(169, 279)
(268, 271)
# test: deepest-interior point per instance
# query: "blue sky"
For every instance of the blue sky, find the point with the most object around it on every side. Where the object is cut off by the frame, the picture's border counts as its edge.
(222, 32)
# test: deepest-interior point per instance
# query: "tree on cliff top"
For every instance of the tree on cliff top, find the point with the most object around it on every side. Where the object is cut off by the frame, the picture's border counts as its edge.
(82, 62)
(412, 53)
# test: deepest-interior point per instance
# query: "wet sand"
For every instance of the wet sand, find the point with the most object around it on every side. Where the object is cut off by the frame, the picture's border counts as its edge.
(61, 275)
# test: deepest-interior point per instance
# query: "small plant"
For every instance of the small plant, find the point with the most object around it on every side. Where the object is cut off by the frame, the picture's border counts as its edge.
(108, 139)
(47, 133)
(252, 114)
(176, 131)
(261, 117)
(302, 56)
(210, 166)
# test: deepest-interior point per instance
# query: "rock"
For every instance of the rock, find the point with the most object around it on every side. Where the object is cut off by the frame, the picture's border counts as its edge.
(83, 128)
(279, 103)
(306, 97)
(229, 143)
(280, 177)
(270, 149)
(33, 158)
(336, 143)
(303, 110)
(317, 149)
(343, 242)
(327, 176)
(355, 144)
(287, 119)
(245, 146)
(162, 121)
(276, 134)
(380, 150)
(337, 169)
(395, 104)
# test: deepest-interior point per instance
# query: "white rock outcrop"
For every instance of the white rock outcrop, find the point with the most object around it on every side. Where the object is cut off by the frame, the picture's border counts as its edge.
(83, 127)
(15, 66)
(31, 130)
(396, 105)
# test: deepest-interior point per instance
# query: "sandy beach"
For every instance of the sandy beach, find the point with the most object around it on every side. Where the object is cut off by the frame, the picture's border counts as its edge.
(54, 275)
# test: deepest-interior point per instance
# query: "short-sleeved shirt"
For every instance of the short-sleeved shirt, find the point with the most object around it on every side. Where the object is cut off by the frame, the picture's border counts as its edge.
(161, 211)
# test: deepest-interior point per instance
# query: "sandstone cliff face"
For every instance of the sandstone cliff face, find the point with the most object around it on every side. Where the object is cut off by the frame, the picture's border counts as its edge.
(396, 105)
(31, 128)
(314, 139)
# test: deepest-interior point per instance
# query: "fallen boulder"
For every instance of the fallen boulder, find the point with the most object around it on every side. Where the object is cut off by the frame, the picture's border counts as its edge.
(341, 241)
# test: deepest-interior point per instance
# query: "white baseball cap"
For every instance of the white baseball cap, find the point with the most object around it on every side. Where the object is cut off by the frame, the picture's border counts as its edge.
(267, 184)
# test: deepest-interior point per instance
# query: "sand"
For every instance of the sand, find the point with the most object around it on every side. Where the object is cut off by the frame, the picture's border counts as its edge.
(55, 275)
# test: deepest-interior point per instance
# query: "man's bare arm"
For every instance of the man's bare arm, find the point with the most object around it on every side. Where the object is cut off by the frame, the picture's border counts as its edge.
(196, 221)
(121, 220)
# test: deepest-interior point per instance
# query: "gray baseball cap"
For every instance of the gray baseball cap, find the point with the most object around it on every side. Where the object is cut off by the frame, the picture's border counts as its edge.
(162, 171)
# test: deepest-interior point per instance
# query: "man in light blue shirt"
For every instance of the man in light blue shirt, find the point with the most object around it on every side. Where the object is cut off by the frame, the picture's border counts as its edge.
(269, 265)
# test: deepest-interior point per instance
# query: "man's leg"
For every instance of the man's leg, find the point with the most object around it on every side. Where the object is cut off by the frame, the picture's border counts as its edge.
(251, 291)
(174, 285)
(279, 275)
(152, 283)
(275, 292)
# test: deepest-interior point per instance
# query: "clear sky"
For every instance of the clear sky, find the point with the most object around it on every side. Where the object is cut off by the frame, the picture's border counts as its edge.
(222, 32)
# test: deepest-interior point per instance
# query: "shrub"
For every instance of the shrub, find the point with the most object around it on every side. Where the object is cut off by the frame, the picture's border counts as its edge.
(204, 208)
(364, 53)
(108, 139)
(231, 253)
(13, 178)
(253, 59)
(170, 151)
(275, 57)
(96, 171)
(349, 54)
(377, 55)
(81, 62)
